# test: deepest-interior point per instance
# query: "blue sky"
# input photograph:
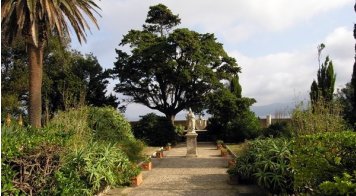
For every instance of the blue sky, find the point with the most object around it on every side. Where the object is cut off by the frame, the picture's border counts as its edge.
(273, 41)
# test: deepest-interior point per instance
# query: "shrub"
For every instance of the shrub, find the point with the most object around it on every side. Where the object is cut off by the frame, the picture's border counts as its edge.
(155, 130)
(98, 124)
(278, 129)
(73, 155)
(179, 129)
(87, 170)
(321, 156)
(29, 159)
(109, 125)
(245, 126)
(345, 185)
(267, 163)
(317, 118)
(74, 121)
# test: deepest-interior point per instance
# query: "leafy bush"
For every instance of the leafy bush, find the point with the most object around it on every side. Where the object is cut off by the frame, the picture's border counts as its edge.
(321, 156)
(73, 155)
(345, 185)
(99, 124)
(109, 125)
(155, 130)
(74, 121)
(320, 117)
(87, 170)
(267, 163)
(246, 126)
(133, 149)
(278, 129)
(29, 158)
(179, 129)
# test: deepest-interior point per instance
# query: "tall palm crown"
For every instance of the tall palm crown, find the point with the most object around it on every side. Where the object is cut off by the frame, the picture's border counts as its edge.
(34, 21)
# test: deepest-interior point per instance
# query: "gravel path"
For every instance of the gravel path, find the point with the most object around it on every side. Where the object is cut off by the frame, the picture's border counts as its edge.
(177, 175)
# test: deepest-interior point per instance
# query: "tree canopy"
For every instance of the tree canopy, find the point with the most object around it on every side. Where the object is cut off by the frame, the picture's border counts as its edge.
(232, 120)
(170, 69)
(34, 22)
(70, 79)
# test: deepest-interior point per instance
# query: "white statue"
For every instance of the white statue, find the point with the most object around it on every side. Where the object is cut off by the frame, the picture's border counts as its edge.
(191, 121)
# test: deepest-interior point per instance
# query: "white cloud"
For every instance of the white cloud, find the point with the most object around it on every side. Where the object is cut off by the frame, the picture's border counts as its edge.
(281, 77)
(277, 76)
(340, 47)
(233, 21)
(259, 15)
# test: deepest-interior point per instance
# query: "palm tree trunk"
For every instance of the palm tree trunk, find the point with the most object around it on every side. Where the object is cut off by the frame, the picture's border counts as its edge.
(35, 104)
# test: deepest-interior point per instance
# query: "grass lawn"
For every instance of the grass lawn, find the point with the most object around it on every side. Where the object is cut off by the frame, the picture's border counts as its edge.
(237, 148)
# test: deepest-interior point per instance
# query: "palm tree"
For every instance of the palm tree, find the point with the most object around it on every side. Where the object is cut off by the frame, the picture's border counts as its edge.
(34, 21)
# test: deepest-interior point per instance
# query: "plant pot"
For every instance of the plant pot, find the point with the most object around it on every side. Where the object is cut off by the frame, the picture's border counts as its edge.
(137, 180)
(159, 154)
(224, 153)
(218, 146)
(147, 166)
(233, 179)
(167, 148)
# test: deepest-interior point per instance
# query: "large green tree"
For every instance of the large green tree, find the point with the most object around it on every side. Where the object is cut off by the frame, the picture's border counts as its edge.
(170, 69)
(35, 21)
(79, 80)
(323, 88)
(232, 120)
(70, 79)
(345, 96)
(14, 78)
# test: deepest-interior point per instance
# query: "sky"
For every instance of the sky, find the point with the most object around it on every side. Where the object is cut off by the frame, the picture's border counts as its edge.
(274, 42)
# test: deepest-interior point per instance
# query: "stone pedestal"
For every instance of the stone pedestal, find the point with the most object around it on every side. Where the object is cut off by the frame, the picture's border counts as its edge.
(192, 144)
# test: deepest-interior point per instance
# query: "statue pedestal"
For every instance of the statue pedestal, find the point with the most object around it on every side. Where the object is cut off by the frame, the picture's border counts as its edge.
(191, 144)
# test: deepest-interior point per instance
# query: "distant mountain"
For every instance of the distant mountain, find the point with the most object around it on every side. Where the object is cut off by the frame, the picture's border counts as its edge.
(279, 109)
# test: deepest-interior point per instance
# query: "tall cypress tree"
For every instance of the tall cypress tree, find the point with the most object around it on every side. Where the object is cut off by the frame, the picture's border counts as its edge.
(353, 80)
(324, 87)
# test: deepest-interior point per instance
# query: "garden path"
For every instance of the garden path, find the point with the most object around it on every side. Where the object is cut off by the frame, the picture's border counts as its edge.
(177, 175)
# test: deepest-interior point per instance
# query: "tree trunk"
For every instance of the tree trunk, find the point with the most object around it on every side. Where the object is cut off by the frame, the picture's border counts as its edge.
(35, 104)
(171, 117)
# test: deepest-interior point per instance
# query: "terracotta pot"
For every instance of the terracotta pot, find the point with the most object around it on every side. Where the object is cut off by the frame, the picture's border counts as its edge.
(159, 154)
(218, 146)
(167, 148)
(224, 153)
(137, 180)
(147, 166)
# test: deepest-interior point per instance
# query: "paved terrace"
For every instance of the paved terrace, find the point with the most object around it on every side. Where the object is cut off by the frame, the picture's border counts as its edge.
(177, 175)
